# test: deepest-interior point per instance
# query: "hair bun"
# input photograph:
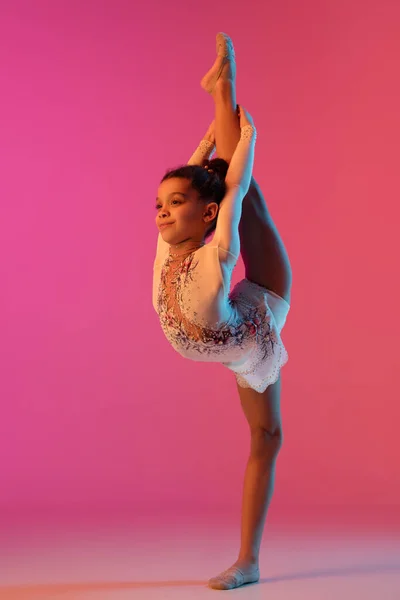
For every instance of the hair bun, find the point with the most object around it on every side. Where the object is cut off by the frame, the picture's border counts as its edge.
(217, 166)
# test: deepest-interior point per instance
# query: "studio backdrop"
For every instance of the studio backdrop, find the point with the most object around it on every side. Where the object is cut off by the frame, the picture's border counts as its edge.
(98, 412)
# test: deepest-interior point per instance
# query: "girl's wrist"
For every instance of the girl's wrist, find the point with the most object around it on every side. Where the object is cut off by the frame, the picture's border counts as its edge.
(210, 138)
(248, 130)
(210, 135)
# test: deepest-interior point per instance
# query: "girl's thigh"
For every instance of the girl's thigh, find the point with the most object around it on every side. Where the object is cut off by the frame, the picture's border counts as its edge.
(264, 255)
(262, 410)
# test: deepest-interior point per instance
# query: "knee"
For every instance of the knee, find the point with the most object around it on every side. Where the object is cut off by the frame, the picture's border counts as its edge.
(266, 444)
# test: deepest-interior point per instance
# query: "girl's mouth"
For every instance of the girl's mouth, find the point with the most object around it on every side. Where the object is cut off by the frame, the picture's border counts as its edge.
(165, 225)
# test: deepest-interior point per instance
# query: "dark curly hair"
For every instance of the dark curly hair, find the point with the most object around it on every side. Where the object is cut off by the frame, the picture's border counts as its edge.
(208, 180)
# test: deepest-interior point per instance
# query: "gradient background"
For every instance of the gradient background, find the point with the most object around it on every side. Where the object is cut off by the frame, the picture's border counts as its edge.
(99, 415)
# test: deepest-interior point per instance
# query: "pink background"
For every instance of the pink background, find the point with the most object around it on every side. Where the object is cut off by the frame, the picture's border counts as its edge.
(98, 413)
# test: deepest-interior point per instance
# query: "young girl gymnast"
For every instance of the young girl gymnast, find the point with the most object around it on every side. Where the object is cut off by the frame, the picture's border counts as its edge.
(205, 321)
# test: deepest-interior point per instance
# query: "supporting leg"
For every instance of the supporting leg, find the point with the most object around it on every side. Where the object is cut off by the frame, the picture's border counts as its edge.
(262, 412)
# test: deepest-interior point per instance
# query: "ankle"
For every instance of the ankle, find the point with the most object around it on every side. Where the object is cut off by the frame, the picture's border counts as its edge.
(248, 560)
(225, 86)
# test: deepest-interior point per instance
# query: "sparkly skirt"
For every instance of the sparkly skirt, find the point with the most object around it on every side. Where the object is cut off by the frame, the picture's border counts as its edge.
(265, 355)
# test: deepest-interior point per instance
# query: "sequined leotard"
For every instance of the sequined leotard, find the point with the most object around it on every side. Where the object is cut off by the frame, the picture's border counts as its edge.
(205, 321)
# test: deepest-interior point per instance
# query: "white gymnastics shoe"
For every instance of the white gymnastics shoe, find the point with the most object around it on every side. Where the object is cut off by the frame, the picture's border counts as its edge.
(224, 66)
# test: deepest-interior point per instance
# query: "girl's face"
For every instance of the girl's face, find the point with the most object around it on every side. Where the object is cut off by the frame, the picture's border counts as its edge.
(181, 215)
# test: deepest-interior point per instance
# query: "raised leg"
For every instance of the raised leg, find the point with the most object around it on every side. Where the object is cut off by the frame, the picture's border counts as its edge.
(220, 81)
(227, 128)
(264, 255)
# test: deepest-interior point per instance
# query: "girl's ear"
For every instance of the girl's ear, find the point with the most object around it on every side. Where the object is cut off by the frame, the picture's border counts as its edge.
(211, 211)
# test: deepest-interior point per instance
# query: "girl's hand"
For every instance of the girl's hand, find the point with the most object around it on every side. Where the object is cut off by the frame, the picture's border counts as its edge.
(245, 117)
(210, 135)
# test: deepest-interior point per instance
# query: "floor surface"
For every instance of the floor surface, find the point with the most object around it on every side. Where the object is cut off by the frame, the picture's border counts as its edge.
(152, 561)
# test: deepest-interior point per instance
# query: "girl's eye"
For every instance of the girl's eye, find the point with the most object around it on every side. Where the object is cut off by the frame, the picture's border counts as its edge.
(158, 206)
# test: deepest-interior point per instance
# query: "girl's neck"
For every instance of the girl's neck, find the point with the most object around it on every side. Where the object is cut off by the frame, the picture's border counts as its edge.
(184, 248)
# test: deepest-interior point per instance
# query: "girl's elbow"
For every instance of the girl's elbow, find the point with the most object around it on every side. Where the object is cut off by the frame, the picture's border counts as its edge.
(234, 185)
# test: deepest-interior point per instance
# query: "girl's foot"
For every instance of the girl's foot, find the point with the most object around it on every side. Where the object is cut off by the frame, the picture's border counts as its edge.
(239, 574)
(224, 66)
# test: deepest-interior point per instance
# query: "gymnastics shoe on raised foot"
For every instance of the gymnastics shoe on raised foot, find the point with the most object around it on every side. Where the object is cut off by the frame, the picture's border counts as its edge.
(233, 578)
(224, 65)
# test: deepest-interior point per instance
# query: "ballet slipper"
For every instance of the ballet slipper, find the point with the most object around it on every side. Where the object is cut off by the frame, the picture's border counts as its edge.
(225, 55)
(233, 578)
